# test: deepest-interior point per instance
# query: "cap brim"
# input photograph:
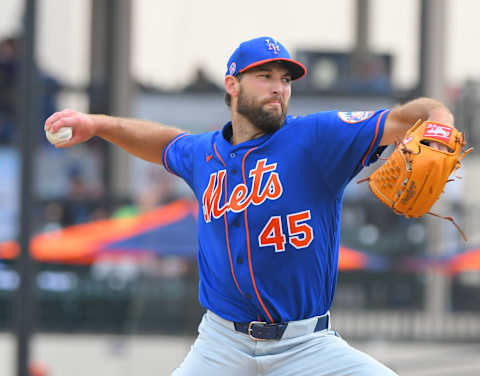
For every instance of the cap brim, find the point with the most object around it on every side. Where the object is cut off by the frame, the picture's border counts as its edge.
(297, 69)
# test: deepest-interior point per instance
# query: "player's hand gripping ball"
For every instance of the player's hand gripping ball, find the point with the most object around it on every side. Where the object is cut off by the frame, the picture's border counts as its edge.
(64, 134)
(413, 177)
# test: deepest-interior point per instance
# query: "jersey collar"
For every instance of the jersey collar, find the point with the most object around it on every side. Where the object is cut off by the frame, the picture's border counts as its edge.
(224, 141)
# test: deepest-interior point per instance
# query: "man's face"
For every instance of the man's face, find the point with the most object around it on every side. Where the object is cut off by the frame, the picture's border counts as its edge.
(264, 95)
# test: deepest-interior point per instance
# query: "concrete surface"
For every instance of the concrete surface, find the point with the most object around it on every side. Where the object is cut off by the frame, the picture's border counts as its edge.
(80, 355)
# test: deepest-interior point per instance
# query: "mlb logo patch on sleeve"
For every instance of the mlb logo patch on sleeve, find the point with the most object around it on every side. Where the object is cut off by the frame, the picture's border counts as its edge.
(437, 131)
(353, 117)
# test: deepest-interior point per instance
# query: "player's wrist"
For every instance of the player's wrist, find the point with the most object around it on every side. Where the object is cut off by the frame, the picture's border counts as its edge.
(100, 125)
(442, 115)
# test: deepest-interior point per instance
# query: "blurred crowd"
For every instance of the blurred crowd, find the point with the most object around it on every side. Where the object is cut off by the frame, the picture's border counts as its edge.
(83, 201)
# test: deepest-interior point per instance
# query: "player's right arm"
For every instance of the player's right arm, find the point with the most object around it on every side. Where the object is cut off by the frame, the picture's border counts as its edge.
(144, 139)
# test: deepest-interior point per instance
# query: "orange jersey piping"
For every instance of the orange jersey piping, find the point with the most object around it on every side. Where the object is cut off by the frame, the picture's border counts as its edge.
(248, 243)
(374, 138)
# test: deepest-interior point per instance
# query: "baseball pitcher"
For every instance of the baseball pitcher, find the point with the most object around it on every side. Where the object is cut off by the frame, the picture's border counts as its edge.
(269, 188)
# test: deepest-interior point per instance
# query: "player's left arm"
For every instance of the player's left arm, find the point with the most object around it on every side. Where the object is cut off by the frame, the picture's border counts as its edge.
(401, 118)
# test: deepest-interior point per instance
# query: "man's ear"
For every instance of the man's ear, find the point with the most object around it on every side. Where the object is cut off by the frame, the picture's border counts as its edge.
(232, 85)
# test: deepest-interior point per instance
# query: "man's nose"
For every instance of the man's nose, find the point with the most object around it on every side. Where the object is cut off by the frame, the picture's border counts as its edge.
(277, 87)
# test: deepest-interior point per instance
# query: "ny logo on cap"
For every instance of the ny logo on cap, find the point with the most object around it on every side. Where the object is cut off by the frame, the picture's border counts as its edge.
(232, 69)
(272, 45)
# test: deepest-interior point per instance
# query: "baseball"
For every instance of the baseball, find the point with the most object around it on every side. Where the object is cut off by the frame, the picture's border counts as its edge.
(62, 135)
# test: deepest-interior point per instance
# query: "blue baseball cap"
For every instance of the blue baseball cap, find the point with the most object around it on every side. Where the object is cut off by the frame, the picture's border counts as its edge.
(258, 51)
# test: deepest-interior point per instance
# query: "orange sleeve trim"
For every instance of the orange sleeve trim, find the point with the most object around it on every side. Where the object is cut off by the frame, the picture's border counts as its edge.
(248, 244)
(175, 139)
(374, 138)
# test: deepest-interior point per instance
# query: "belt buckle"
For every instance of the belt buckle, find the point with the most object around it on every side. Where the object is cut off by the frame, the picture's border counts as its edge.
(250, 330)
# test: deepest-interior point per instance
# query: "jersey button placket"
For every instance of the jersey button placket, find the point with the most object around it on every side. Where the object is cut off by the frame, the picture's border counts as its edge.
(237, 222)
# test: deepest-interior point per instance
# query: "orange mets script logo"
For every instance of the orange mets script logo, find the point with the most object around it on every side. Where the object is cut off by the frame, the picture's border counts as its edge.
(241, 197)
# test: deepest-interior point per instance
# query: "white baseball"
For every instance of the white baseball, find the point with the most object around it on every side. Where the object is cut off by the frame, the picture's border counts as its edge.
(62, 135)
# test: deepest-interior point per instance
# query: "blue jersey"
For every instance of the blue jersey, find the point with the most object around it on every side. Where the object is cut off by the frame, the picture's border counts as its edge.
(269, 211)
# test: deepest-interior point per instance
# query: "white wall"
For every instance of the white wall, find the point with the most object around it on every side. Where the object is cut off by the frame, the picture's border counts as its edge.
(172, 37)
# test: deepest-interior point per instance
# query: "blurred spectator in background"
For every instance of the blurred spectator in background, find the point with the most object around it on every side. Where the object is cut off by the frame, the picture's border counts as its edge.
(9, 80)
(155, 187)
(53, 214)
(82, 204)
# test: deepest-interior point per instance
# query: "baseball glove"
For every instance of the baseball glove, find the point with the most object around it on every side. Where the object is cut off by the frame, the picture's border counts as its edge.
(413, 177)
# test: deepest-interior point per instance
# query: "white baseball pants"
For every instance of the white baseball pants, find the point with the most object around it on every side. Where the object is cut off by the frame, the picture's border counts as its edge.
(220, 350)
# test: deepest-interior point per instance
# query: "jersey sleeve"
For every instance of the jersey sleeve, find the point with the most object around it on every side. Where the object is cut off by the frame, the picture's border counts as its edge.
(347, 142)
(178, 156)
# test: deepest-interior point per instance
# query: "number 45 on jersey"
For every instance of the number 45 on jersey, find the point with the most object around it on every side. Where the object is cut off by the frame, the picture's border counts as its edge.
(300, 234)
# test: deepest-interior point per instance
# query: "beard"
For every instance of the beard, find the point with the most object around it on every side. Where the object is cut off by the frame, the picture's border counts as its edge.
(266, 121)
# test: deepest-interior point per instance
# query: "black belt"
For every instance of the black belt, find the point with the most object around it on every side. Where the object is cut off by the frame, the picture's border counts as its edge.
(260, 330)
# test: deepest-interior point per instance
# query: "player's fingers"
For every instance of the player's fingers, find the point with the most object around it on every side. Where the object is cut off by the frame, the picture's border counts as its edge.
(51, 119)
(55, 117)
(62, 122)
(438, 146)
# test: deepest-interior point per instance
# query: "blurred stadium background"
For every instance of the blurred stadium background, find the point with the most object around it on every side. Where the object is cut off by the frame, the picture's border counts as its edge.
(113, 275)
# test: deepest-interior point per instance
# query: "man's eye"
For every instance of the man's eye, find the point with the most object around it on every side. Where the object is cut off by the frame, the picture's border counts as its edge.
(287, 80)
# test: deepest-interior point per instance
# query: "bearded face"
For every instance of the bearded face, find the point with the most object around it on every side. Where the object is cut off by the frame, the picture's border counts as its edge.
(268, 115)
